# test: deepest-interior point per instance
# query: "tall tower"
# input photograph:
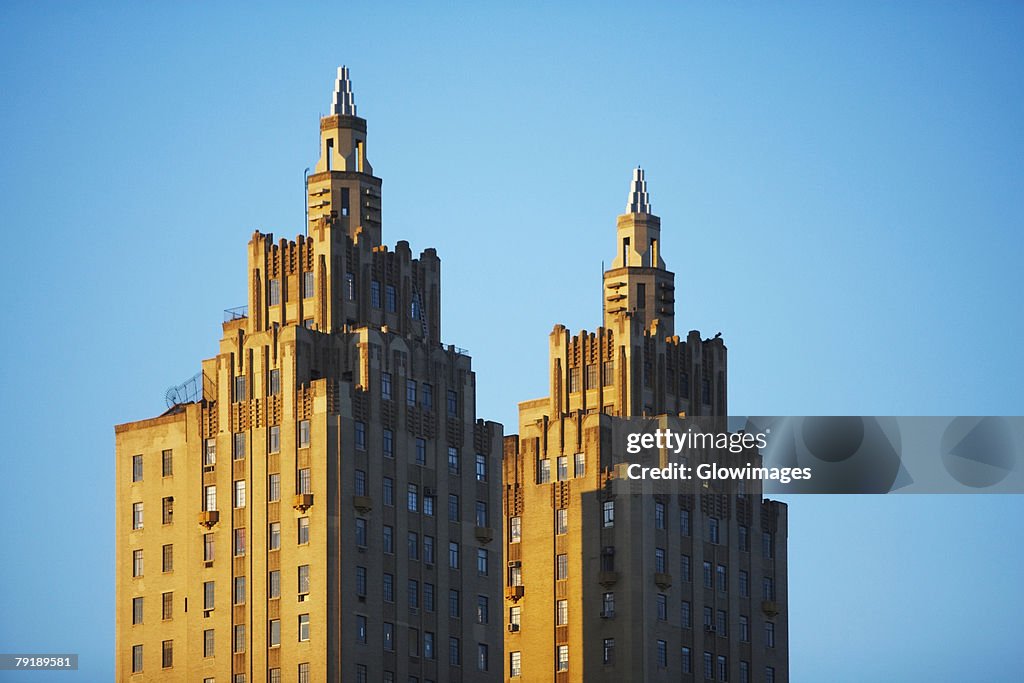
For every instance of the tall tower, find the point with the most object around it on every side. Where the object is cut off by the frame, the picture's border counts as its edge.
(326, 508)
(611, 580)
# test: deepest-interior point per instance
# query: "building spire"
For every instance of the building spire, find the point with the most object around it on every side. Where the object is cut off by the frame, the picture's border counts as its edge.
(639, 201)
(342, 102)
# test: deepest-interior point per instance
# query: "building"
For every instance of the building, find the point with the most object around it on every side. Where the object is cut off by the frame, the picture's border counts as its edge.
(327, 508)
(610, 580)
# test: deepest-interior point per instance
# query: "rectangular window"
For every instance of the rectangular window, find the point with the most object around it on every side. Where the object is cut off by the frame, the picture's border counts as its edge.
(360, 532)
(769, 674)
(684, 522)
(208, 547)
(591, 378)
(515, 575)
(561, 612)
(239, 394)
(275, 292)
(360, 483)
(167, 458)
(238, 445)
(481, 467)
(561, 521)
(428, 505)
(389, 539)
(662, 605)
(390, 298)
(723, 668)
(574, 379)
(304, 672)
(562, 658)
(481, 514)
(562, 567)
(608, 373)
(136, 515)
(303, 480)
(454, 610)
(413, 594)
(709, 666)
(167, 654)
(454, 652)
(744, 672)
(304, 435)
(608, 605)
(303, 588)
(768, 589)
(239, 542)
(303, 530)
(375, 293)
(687, 664)
(744, 584)
(515, 661)
(413, 498)
(453, 555)
(421, 451)
(414, 647)
(515, 529)
(722, 575)
(544, 471)
(428, 549)
(769, 634)
(659, 515)
(274, 634)
(274, 584)
(307, 285)
(453, 460)
(389, 636)
(428, 596)
(453, 508)
(361, 628)
(744, 538)
(240, 493)
(563, 468)
(389, 443)
(579, 465)
(428, 397)
(708, 576)
(744, 629)
(137, 563)
(273, 487)
(274, 439)
(350, 286)
(608, 514)
(482, 609)
(208, 643)
(136, 658)
(767, 545)
(274, 385)
(662, 654)
(210, 453)
(361, 436)
(481, 561)
(659, 560)
(722, 623)
(686, 615)
(385, 386)
(428, 645)
(608, 651)
(713, 530)
(208, 595)
(684, 568)
(238, 591)
(482, 657)
(168, 557)
(274, 536)
(361, 581)
(136, 610)
(410, 393)
(514, 616)
(413, 545)
(453, 403)
(303, 627)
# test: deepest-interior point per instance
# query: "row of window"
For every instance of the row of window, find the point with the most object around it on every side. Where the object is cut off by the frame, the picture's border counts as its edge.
(562, 465)
(425, 394)
(607, 378)
(166, 460)
(416, 647)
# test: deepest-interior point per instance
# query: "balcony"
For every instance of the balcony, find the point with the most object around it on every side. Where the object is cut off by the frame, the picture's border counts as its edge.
(514, 593)
(663, 580)
(208, 518)
(237, 313)
(769, 607)
(362, 503)
(607, 578)
(484, 534)
(303, 501)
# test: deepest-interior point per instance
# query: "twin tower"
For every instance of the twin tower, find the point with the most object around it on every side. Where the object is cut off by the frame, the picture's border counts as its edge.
(330, 508)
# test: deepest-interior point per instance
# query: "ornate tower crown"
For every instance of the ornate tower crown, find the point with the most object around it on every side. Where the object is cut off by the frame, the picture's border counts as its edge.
(639, 201)
(341, 102)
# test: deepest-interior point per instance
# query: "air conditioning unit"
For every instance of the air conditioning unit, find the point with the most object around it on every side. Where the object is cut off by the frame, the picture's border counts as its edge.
(513, 628)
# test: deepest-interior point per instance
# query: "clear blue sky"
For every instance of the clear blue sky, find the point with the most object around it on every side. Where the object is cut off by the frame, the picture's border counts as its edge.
(841, 187)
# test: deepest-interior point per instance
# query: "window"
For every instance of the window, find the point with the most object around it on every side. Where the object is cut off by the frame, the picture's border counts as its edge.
(561, 521)
(307, 285)
(543, 471)
(274, 439)
(238, 591)
(275, 292)
(453, 508)
(514, 617)
(744, 672)
(210, 453)
(563, 468)
(385, 386)
(273, 487)
(208, 643)
(136, 468)
(684, 568)
(413, 545)
(713, 530)
(137, 563)
(482, 609)
(561, 612)
(274, 633)
(410, 393)
(303, 530)
(428, 549)
(240, 493)
(390, 299)
(454, 652)
(744, 584)
(768, 589)
(303, 627)
(428, 397)
(274, 584)
(238, 445)
(687, 661)
(574, 379)
(482, 517)
(421, 452)
(414, 647)
(709, 666)
(769, 634)
(389, 539)
(608, 373)
(608, 605)
(722, 623)
(481, 656)
(375, 293)
(454, 610)
(304, 435)
(136, 610)
(561, 566)
(662, 604)
(360, 532)
(608, 651)
(428, 645)
(579, 465)
(208, 595)
(361, 581)
(239, 393)
(168, 463)
(453, 403)
(361, 628)
(304, 672)
(274, 385)
(481, 561)
(305, 485)
(303, 587)
(608, 558)
(723, 578)
(641, 296)
(350, 286)
(208, 547)
(239, 542)
(708, 576)
(360, 483)
(413, 594)
(167, 605)
(686, 615)
(515, 664)
(591, 378)
(723, 668)
(413, 498)
(562, 658)
(684, 522)
(453, 460)
(428, 596)
(608, 514)
(659, 515)
(238, 639)
(389, 443)
(744, 629)
(769, 674)
(515, 529)
(136, 515)
(515, 575)
(389, 636)
(136, 658)
(167, 512)
(662, 654)
(361, 436)
(767, 545)
(659, 560)
(453, 555)
(481, 467)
